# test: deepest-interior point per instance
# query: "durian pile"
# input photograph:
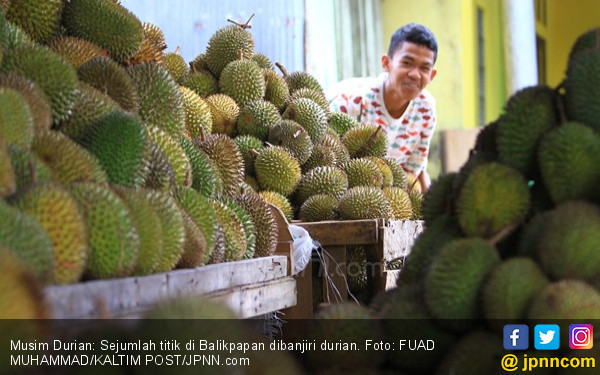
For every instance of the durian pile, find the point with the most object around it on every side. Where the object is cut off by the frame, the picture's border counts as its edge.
(118, 158)
(513, 237)
(108, 165)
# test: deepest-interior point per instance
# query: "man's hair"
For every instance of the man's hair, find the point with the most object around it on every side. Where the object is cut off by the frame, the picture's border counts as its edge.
(413, 33)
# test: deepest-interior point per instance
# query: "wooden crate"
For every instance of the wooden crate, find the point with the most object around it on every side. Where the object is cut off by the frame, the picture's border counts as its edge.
(303, 307)
(384, 240)
(249, 287)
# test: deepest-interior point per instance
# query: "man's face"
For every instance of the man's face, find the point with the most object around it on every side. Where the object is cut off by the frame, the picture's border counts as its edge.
(410, 70)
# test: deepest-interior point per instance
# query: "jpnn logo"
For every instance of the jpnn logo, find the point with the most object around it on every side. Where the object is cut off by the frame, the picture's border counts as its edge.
(516, 337)
(547, 337)
(581, 336)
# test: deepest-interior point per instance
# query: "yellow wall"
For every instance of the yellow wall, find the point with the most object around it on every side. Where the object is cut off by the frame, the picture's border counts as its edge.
(494, 59)
(469, 55)
(566, 21)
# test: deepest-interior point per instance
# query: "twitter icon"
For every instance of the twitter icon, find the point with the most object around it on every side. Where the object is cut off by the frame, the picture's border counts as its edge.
(547, 337)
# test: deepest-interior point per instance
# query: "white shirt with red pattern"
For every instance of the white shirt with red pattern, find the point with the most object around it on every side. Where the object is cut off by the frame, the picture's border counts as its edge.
(408, 136)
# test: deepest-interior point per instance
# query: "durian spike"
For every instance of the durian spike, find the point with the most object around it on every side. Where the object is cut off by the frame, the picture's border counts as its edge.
(244, 26)
(282, 68)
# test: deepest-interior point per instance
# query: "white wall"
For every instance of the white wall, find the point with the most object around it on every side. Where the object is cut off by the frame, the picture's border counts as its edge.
(321, 58)
(277, 26)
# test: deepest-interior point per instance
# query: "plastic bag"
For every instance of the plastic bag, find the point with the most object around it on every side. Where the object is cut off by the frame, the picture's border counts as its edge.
(303, 247)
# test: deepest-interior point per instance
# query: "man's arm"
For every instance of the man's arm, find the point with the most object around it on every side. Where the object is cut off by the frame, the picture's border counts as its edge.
(424, 180)
(418, 159)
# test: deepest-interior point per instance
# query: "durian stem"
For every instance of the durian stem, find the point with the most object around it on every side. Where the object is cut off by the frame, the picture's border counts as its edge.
(369, 141)
(202, 135)
(254, 152)
(282, 68)
(244, 26)
(414, 183)
(177, 50)
(560, 103)
(247, 25)
(240, 54)
(502, 234)
(598, 39)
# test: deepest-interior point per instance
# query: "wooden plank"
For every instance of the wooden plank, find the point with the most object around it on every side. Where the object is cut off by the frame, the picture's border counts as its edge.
(398, 237)
(344, 232)
(295, 326)
(285, 240)
(304, 298)
(455, 147)
(395, 241)
(335, 287)
(132, 295)
(375, 269)
(220, 276)
(258, 299)
(103, 298)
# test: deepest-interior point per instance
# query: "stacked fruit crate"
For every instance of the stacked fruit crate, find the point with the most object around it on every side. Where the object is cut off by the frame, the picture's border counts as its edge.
(385, 245)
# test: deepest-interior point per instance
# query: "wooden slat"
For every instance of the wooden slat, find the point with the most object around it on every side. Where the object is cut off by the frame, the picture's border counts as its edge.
(213, 277)
(455, 147)
(384, 240)
(285, 240)
(375, 269)
(344, 232)
(258, 299)
(132, 295)
(335, 286)
(304, 306)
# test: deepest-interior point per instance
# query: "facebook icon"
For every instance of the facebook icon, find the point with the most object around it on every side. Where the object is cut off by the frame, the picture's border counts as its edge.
(516, 337)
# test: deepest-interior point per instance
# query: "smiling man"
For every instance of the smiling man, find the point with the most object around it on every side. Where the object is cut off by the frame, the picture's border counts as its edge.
(397, 99)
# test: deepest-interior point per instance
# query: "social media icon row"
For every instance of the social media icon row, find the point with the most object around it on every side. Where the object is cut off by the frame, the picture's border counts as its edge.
(547, 336)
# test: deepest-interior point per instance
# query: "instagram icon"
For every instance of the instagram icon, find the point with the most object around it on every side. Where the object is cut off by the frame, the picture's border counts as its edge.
(581, 336)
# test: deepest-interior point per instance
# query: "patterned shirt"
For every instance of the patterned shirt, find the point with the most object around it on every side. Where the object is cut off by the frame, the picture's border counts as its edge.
(408, 136)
